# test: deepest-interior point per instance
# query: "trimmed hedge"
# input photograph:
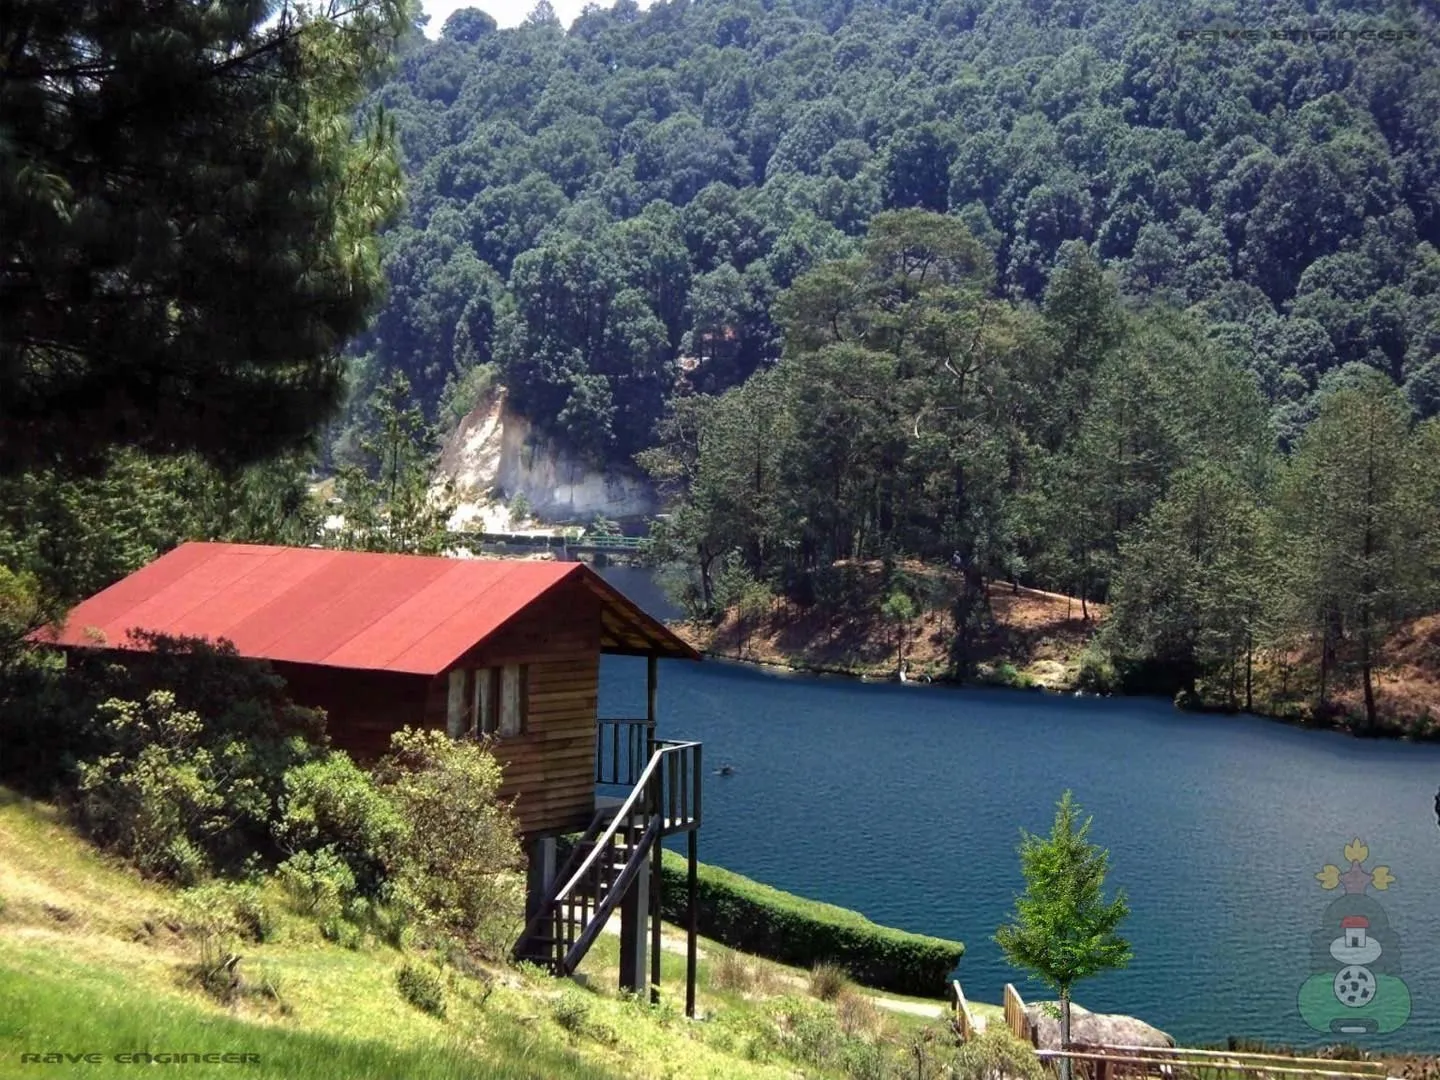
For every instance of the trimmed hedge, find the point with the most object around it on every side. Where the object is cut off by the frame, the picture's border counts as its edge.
(789, 929)
(757, 919)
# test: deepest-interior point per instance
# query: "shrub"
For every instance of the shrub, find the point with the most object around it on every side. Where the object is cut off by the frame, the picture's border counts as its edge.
(271, 985)
(461, 395)
(228, 909)
(807, 1032)
(184, 757)
(217, 916)
(827, 981)
(422, 988)
(866, 1061)
(1097, 672)
(757, 919)
(333, 805)
(857, 1015)
(159, 796)
(731, 972)
(341, 931)
(457, 869)
(318, 883)
(996, 1054)
(519, 509)
(571, 1011)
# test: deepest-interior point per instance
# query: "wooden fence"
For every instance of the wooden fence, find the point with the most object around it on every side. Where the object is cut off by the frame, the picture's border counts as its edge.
(964, 1019)
(1015, 1016)
(1113, 1062)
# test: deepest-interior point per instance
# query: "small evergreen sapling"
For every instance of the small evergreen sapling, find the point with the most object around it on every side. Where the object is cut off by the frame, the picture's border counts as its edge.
(1062, 929)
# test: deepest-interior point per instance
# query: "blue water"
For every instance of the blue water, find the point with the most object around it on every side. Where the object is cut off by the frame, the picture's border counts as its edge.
(906, 803)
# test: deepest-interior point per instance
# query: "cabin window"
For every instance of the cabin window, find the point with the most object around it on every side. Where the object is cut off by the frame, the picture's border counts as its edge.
(456, 721)
(512, 699)
(499, 703)
(484, 705)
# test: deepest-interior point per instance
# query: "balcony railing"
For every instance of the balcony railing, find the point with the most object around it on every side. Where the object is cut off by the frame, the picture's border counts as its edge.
(622, 749)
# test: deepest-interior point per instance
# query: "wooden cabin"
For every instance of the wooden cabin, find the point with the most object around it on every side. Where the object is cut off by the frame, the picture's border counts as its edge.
(479, 647)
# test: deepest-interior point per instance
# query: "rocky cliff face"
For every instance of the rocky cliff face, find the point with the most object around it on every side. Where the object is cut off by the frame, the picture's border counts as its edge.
(495, 455)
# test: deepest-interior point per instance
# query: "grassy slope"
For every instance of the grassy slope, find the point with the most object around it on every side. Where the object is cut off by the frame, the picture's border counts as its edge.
(94, 959)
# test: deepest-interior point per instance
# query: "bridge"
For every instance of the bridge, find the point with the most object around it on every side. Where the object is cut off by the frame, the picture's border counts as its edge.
(572, 543)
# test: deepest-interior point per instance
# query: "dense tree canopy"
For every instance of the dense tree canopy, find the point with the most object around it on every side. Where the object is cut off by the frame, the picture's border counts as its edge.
(1118, 454)
(624, 201)
(189, 213)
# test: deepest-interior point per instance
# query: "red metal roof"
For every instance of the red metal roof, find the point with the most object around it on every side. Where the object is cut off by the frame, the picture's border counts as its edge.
(350, 609)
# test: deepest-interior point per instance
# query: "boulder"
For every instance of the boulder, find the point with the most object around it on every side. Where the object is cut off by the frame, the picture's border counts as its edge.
(1093, 1029)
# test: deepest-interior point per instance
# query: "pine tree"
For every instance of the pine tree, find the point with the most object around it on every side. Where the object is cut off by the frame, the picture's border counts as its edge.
(189, 214)
(1358, 526)
(392, 502)
(1062, 930)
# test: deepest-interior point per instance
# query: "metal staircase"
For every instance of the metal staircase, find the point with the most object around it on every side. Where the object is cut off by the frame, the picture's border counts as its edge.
(614, 851)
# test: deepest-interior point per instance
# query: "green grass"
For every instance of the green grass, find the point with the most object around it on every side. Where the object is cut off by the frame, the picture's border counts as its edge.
(42, 1013)
(94, 959)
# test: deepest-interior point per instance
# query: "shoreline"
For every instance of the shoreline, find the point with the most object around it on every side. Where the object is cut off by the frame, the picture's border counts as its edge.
(796, 667)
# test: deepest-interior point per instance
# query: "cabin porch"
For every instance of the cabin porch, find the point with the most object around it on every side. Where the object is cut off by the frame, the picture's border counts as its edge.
(646, 790)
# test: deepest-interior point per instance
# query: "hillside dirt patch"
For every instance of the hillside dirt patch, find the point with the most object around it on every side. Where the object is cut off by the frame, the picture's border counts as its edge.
(1039, 633)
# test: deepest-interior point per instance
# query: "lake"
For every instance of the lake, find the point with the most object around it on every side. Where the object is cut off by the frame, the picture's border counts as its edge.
(905, 802)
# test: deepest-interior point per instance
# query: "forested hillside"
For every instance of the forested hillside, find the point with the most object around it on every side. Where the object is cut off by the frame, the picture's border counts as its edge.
(588, 208)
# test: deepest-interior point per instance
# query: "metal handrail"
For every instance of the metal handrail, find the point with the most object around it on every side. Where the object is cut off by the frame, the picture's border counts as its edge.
(642, 786)
(591, 930)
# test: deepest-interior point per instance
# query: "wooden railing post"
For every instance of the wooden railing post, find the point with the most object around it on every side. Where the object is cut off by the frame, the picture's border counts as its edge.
(1015, 1018)
(964, 1022)
(693, 914)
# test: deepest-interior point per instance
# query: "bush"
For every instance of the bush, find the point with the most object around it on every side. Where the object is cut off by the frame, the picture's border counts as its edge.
(318, 883)
(332, 805)
(734, 971)
(827, 981)
(184, 755)
(996, 1054)
(161, 795)
(571, 1011)
(808, 1032)
(866, 1061)
(217, 916)
(757, 919)
(1097, 673)
(457, 869)
(422, 988)
(461, 395)
(857, 1014)
(731, 972)
(228, 910)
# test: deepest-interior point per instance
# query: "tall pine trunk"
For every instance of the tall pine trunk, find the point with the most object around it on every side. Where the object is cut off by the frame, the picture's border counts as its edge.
(1249, 672)
(1369, 696)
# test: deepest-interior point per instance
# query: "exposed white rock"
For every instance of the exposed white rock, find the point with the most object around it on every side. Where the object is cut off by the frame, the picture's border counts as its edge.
(1093, 1028)
(495, 455)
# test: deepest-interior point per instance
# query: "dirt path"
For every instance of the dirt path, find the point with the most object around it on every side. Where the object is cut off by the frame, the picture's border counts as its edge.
(913, 1008)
